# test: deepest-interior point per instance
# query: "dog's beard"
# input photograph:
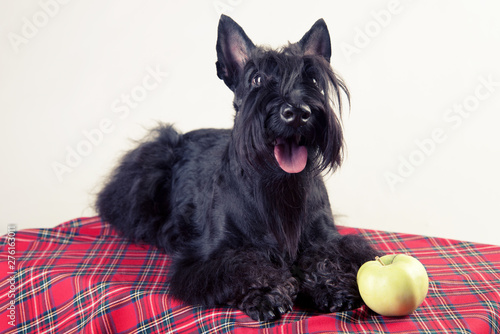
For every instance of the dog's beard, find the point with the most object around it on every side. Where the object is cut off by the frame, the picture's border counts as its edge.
(261, 148)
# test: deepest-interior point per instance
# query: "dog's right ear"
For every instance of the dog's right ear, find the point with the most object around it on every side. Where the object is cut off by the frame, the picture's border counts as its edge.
(233, 50)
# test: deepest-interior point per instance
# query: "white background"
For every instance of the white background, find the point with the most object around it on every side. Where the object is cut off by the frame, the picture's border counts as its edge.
(410, 65)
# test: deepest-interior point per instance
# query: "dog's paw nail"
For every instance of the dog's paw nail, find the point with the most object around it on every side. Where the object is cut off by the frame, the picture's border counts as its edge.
(281, 310)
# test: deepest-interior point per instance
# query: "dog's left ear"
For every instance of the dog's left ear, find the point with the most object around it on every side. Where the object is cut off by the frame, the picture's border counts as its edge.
(317, 41)
(233, 50)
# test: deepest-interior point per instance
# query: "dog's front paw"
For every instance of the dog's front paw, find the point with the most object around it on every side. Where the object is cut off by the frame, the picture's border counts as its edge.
(265, 304)
(336, 296)
(329, 290)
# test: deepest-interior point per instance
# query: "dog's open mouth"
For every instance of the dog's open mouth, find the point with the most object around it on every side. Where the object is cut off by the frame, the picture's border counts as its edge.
(290, 154)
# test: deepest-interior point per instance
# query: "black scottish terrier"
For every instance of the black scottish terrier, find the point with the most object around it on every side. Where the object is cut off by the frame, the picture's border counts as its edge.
(244, 212)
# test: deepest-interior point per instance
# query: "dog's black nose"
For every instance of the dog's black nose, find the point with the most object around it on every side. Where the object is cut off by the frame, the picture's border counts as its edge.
(295, 116)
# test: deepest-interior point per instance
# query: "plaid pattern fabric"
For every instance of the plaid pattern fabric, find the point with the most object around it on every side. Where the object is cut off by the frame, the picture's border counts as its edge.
(80, 277)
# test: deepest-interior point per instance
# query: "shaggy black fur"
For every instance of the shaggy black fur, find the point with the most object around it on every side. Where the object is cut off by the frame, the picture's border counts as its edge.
(244, 212)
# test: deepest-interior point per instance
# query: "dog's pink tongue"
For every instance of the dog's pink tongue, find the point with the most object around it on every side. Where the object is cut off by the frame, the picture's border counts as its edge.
(291, 157)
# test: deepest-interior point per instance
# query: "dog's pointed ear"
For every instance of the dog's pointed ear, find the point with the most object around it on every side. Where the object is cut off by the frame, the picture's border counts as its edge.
(233, 50)
(317, 41)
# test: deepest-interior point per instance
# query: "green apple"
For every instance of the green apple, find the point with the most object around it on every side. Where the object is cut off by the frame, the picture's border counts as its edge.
(393, 285)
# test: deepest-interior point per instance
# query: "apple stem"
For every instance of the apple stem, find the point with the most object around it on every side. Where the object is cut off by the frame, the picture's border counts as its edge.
(379, 260)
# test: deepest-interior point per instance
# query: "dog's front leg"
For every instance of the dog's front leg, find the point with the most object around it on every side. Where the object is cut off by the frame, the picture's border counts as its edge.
(260, 285)
(327, 273)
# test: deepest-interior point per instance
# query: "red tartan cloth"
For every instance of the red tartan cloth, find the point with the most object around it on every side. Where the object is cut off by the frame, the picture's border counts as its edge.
(81, 277)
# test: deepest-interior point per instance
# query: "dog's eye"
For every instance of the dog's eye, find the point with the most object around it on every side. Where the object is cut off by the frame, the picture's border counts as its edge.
(257, 80)
(315, 82)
